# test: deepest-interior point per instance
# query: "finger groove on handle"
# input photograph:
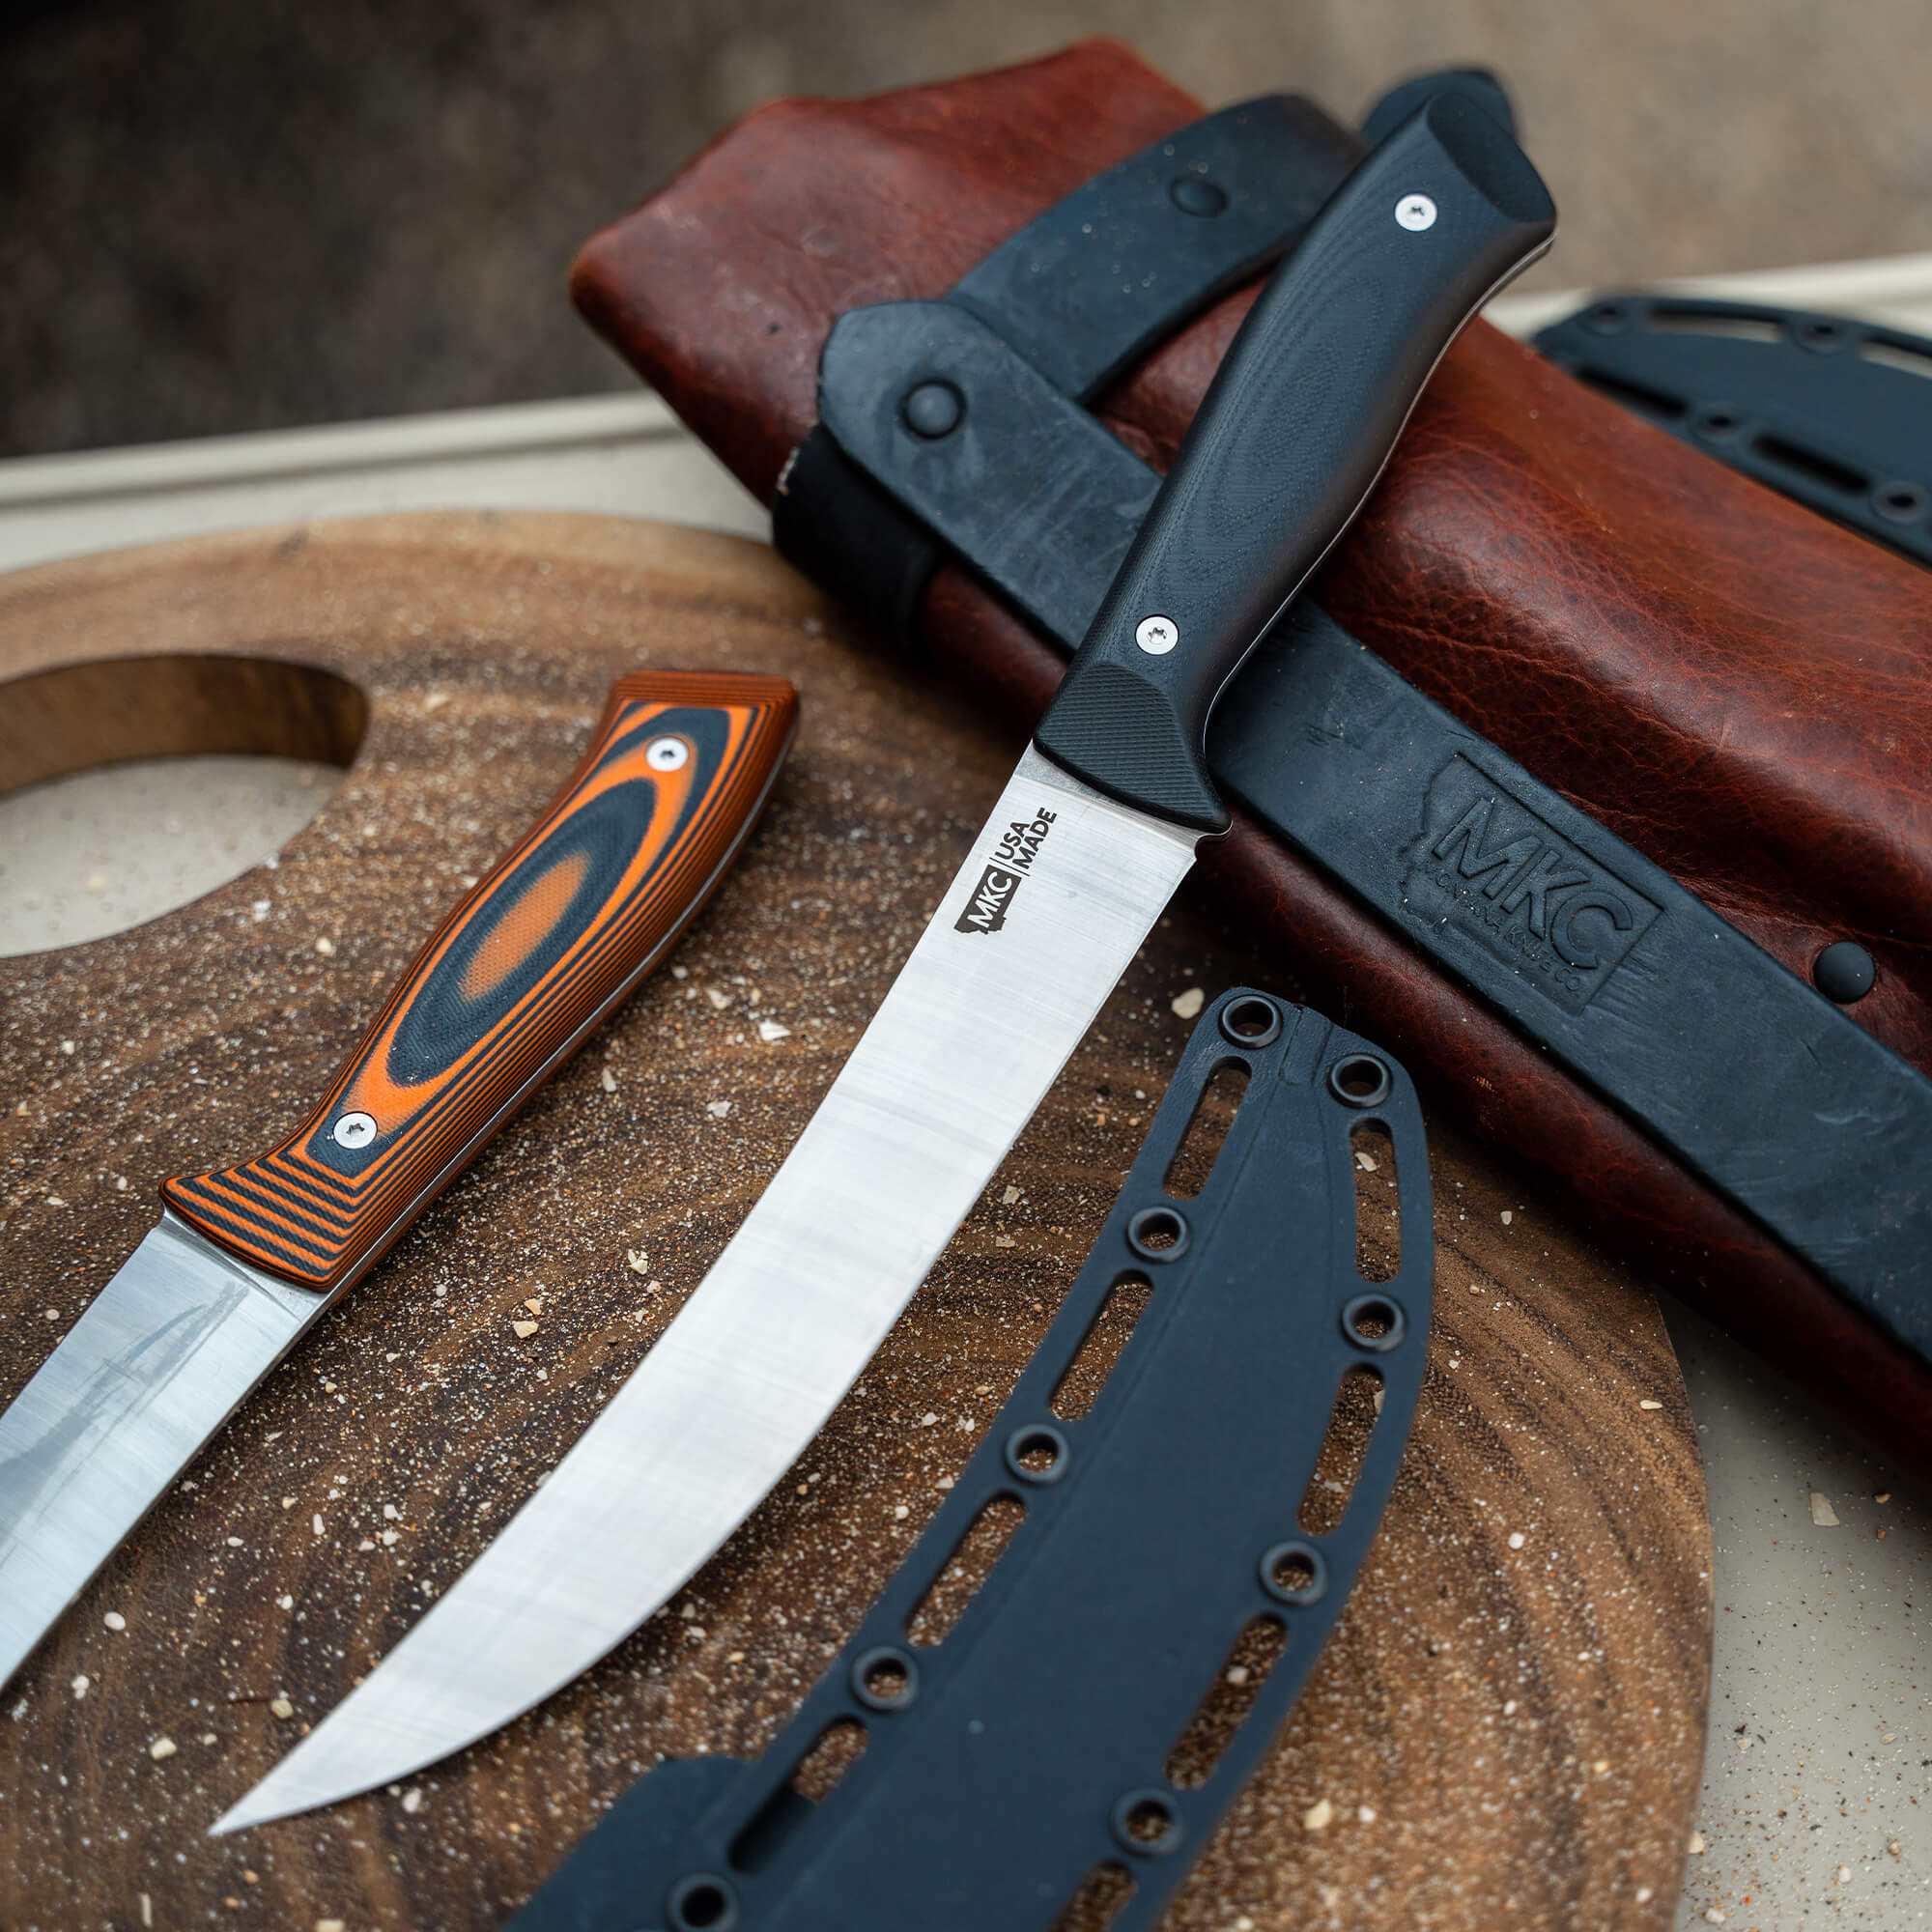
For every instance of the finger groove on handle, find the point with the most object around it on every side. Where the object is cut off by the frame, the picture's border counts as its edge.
(561, 930)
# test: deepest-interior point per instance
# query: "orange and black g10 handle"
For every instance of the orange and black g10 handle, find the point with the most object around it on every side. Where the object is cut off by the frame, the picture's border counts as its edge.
(586, 904)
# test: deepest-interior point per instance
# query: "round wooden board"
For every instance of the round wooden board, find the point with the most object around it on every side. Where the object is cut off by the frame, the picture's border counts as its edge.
(1508, 1725)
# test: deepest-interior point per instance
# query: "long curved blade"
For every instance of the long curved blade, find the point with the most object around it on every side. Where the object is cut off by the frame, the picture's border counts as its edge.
(1045, 915)
(161, 1358)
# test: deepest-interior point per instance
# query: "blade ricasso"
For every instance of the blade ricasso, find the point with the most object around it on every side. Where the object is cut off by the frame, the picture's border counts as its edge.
(202, 1253)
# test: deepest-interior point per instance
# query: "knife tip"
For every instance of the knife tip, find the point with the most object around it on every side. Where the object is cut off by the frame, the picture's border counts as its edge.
(253, 1809)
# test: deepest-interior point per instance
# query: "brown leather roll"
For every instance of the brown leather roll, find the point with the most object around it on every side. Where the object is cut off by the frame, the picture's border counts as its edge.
(1738, 689)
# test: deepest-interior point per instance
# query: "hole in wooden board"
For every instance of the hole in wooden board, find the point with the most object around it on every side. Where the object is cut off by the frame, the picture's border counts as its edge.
(969, 1566)
(1225, 1708)
(1103, 1893)
(814, 1779)
(1213, 1115)
(1377, 1202)
(1102, 1346)
(134, 786)
(1338, 1465)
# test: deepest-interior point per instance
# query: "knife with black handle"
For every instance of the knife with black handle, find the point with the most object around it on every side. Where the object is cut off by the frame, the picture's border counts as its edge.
(1290, 437)
(1090, 839)
(243, 1259)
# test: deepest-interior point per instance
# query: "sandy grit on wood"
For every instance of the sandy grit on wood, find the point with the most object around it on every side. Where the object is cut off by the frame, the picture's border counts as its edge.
(1508, 1727)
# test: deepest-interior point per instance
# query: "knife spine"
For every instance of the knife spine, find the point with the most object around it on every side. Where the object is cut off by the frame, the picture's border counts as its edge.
(559, 931)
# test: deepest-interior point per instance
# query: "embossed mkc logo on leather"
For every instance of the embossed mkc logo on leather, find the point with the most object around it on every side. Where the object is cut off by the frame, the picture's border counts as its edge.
(1489, 867)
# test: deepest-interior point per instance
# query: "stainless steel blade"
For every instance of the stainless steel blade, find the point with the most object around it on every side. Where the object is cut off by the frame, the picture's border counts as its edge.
(156, 1364)
(994, 998)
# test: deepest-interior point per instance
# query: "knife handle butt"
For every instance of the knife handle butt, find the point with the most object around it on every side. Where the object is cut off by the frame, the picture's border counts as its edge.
(570, 920)
(1289, 441)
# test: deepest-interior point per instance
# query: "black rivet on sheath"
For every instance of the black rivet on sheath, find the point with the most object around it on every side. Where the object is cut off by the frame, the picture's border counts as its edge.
(1193, 196)
(1146, 1824)
(1036, 1453)
(885, 1680)
(1844, 972)
(701, 1903)
(934, 409)
(1360, 1080)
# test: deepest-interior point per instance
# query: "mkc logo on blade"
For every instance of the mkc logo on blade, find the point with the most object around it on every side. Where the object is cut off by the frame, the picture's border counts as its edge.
(987, 908)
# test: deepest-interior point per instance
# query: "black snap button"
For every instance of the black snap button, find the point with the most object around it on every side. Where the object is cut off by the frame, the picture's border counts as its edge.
(1844, 972)
(1193, 196)
(934, 409)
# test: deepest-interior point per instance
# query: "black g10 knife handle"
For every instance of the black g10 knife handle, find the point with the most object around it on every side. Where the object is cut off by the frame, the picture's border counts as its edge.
(1289, 441)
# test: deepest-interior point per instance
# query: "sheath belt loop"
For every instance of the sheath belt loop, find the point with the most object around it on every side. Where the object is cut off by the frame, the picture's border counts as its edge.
(1076, 299)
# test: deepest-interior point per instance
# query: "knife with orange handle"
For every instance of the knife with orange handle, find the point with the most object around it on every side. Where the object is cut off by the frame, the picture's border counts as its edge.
(243, 1260)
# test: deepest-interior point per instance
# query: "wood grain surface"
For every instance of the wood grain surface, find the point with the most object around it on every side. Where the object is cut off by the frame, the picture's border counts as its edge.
(1508, 1727)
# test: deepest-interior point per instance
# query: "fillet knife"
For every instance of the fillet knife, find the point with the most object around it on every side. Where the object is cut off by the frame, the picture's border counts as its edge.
(243, 1259)
(1096, 828)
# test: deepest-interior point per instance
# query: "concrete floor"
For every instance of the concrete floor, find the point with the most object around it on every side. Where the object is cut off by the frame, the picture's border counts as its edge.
(233, 215)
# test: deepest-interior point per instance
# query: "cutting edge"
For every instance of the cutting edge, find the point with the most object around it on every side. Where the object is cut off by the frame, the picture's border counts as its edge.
(909, 1132)
(158, 1362)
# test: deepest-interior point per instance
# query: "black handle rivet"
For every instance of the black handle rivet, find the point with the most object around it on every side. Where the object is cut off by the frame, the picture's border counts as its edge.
(1036, 1453)
(1194, 196)
(934, 409)
(885, 1680)
(701, 1903)
(1899, 503)
(1844, 972)
(1609, 318)
(1360, 1080)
